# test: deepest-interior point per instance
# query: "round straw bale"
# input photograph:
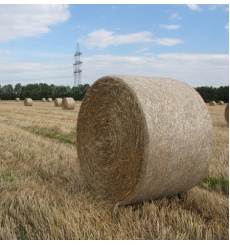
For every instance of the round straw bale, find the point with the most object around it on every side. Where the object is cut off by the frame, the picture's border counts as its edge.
(212, 103)
(220, 102)
(58, 102)
(43, 99)
(17, 99)
(49, 100)
(226, 113)
(28, 102)
(68, 103)
(141, 138)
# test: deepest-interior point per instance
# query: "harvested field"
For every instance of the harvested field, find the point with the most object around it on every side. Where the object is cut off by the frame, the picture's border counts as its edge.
(42, 196)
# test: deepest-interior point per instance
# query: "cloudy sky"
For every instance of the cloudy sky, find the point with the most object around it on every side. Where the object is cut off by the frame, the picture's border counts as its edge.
(188, 42)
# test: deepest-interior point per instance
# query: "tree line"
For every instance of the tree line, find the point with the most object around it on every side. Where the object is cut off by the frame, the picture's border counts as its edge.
(37, 91)
(214, 94)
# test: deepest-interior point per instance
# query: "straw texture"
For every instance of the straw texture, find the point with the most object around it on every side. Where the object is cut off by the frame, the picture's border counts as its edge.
(68, 103)
(28, 102)
(141, 138)
(49, 100)
(212, 103)
(226, 113)
(58, 102)
(220, 102)
(43, 100)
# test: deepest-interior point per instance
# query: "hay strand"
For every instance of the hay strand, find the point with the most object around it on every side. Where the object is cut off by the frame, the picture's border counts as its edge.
(28, 102)
(226, 114)
(141, 138)
(212, 103)
(57, 102)
(68, 103)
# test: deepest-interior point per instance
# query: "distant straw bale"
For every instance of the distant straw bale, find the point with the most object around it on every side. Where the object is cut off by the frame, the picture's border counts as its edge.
(17, 99)
(49, 100)
(226, 114)
(28, 102)
(212, 103)
(137, 141)
(43, 99)
(220, 102)
(68, 103)
(58, 102)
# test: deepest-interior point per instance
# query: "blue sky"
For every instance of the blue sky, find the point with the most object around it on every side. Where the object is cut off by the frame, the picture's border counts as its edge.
(188, 42)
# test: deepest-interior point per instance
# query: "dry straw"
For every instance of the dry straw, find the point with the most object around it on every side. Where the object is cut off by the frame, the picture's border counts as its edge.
(220, 102)
(212, 103)
(68, 103)
(28, 102)
(43, 100)
(17, 99)
(141, 138)
(58, 102)
(226, 114)
(49, 100)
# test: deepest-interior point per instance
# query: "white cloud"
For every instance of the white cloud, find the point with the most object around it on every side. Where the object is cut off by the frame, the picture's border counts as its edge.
(167, 41)
(194, 7)
(175, 16)
(18, 21)
(194, 69)
(103, 39)
(212, 7)
(170, 27)
(227, 26)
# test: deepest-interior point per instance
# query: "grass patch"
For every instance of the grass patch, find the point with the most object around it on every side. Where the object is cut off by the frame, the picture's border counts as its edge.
(6, 177)
(214, 183)
(53, 133)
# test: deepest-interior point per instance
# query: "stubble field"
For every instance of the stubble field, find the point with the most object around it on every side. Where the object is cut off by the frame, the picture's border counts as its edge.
(42, 196)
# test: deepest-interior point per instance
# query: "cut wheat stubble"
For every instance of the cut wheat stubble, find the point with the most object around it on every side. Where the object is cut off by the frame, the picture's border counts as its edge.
(226, 113)
(141, 138)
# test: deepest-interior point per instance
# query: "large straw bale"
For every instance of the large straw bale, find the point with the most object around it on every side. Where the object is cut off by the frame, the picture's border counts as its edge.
(141, 138)
(58, 102)
(68, 103)
(17, 99)
(28, 102)
(212, 103)
(43, 99)
(220, 102)
(226, 113)
(49, 100)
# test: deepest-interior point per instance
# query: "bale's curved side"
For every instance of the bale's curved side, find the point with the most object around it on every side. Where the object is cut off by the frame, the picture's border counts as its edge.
(49, 100)
(17, 99)
(58, 102)
(68, 103)
(28, 102)
(140, 138)
(212, 103)
(220, 102)
(226, 114)
(43, 99)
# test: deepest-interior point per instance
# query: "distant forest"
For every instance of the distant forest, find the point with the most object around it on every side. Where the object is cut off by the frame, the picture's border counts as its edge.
(37, 91)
